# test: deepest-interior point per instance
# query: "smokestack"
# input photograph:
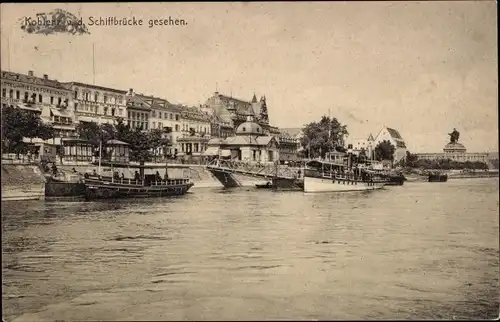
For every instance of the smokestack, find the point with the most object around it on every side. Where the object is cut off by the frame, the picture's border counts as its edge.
(30, 73)
(45, 76)
(130, 91)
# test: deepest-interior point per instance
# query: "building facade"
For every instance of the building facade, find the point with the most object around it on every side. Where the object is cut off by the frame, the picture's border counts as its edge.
(456, 152)
(138, 111)
(196, 131)
(41, 95)
(98, 104)
(235, 110)
(249, 144)
(393, 136)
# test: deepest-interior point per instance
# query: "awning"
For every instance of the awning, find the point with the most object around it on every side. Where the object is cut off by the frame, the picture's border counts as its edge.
(62, 113)
(211, 150)
(28, 107)
(225, 153)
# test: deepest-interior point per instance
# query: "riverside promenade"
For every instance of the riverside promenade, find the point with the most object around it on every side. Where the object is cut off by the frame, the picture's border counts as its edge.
(22, 178)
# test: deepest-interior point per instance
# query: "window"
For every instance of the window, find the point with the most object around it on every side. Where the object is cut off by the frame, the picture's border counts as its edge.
(18, 94)
(96, 96)
(171, 116)
(59, 101)
(244, 129)
(177, 127)
(26, 94)
(76, 93)
(76, 106)
(154, 114)
(176, 117)
(112, 112)
(39, 98)
(4, 92)
(105, 98)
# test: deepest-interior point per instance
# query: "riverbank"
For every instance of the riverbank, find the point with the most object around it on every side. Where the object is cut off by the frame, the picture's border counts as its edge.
(22, 182)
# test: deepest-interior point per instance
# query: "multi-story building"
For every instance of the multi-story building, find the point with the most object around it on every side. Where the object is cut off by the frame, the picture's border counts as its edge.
(235, 110)
(167, 117)
(98, 104)
(46, 97)
(196, 130)
(138, 110)
(289, 144)
(357, 145)
(456, 152)
(393, 136)
(369, 144)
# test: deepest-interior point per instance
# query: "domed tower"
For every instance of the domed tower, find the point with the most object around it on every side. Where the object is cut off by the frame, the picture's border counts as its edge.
(250, 127)
(454, 147)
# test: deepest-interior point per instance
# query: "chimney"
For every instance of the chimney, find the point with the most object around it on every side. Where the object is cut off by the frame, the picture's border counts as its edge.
(30, 73)
(45, 76)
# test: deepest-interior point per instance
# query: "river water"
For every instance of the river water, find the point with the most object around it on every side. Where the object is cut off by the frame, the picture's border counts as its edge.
(420, 251)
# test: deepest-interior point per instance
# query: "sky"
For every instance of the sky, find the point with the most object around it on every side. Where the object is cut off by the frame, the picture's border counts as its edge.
(422, 68)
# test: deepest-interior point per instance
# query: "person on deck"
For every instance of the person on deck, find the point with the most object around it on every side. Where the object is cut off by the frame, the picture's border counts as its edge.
(137, 176)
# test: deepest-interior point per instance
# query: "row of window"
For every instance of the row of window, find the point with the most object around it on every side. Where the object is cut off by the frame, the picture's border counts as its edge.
(143, 116)
(106, 99)
(198, 128)
(33, 98)
(160, 126)
(105, 110)
(136, 124)
(165, 115)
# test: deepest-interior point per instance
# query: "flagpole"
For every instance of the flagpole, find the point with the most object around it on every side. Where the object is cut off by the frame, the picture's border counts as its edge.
(93, 64)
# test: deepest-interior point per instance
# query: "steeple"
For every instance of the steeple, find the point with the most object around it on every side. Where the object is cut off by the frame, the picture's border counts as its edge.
(254, 99)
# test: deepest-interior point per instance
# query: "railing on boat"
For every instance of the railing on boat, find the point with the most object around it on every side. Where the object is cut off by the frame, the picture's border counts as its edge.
(169, 182)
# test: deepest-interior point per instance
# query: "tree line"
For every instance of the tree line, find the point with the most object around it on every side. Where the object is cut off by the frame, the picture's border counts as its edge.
(412, 161)
(142, 144)
(328, 134)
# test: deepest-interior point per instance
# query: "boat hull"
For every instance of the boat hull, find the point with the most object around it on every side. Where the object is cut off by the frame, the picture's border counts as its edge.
(312, 184)
(110, 191)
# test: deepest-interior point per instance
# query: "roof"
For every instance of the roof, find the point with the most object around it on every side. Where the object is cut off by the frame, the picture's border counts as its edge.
(61, 113)
(137, 102)
(33, 80)
(116, 142)
(295, 131)
(249, 128)
(242, 107)
(370, 138)
(102, 88)
(248, 140)
(395, 134)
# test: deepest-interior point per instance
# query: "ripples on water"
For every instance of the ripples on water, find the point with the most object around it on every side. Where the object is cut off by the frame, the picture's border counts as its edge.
(421, 251)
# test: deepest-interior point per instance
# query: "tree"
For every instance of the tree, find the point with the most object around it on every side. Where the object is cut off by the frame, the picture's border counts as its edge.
(89, 131)
(411, 159)
(323, 136)
(362, 157)
(17, 124)
(495, 163)
(384, 151)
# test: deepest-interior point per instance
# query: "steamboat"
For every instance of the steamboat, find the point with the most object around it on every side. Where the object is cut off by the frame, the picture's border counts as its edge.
(328, 176)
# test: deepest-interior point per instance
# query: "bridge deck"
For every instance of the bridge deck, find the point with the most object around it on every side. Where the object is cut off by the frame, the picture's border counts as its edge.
(260, 170)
